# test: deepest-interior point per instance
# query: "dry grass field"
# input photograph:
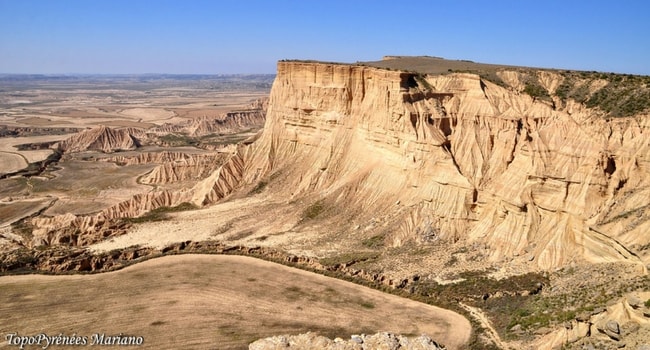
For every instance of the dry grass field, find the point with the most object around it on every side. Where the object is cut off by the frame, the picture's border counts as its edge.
(212, 302)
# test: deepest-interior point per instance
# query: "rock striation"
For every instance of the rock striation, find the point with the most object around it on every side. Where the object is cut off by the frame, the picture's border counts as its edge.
(249, 117)
(103, 139)
(467, 158)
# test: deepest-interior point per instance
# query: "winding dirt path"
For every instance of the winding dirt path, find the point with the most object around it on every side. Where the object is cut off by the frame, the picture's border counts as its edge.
(491, 332)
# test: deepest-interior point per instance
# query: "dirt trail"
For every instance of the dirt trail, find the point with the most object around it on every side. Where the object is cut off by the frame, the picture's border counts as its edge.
(491, 332)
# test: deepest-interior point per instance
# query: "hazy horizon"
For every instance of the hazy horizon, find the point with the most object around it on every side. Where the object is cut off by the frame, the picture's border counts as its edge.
(78, 37)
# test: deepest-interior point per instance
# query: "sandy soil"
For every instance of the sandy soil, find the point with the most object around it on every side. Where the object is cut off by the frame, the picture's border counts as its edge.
(148, 114)
(11, 159)
(11, 162)
(225, 221)
(16, 210)
(207, 302)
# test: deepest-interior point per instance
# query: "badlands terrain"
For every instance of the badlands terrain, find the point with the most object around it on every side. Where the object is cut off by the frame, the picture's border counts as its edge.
(515, 197)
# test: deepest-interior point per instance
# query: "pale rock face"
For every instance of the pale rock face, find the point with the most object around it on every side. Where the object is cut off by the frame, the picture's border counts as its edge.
(251, 116)
(606, 325)
(473, 159)
(103, 139)
(382, 340)
(228, 123)
(190, 167)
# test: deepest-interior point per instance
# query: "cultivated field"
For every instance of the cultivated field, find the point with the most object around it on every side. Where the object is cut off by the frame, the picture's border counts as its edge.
(213, 302)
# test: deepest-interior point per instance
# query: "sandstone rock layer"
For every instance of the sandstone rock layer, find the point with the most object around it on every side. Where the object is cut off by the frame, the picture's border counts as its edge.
(464, 157)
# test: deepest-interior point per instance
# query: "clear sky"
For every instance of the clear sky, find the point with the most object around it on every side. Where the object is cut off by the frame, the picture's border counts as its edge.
(221, 36)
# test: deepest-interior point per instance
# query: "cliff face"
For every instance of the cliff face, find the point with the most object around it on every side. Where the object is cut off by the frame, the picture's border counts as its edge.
(252, 116)
(457, 157)
(103, 139)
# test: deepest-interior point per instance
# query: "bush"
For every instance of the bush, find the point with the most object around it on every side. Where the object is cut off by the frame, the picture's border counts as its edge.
(312, 211)
(259, 187)
(537, 91)
(374, 241)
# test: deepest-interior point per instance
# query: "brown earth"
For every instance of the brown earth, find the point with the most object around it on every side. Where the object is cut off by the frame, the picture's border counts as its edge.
(205, 302)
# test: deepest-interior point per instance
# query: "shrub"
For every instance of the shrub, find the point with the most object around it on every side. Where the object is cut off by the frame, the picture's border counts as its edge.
(537, 91)
(312, 211)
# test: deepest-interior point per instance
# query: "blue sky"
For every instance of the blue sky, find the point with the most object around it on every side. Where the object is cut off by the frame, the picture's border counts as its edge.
(193, 36)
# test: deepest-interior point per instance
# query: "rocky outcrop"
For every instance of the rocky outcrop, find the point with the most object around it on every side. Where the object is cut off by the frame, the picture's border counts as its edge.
(82, 230)
(103, 139)
(221, 182)
(230, 122)
(215, 176)
(467, 158)
(251, 116)
(193, 167)
(383, 340)
(147, 158)
(625, 323)
(60, 259)
(22, 131)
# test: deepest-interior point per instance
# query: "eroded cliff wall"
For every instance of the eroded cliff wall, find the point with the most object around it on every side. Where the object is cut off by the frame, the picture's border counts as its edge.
(458, 157)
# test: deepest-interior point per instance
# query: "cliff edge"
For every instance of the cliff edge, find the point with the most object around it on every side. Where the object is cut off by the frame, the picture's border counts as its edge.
(464, 158)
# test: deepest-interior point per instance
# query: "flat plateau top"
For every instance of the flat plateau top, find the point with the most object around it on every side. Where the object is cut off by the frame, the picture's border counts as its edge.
(435, 65)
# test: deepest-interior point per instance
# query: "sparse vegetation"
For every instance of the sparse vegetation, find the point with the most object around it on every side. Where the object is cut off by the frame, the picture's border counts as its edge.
(313, 210)
(259, 187)
(493, 77)
(422, 82)
(374, 241)
(23, 228)
(624, 215)
(178, 140)
(348, 258)
(622, 94)
(535, 90)
(160, 213)
(452, 261)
